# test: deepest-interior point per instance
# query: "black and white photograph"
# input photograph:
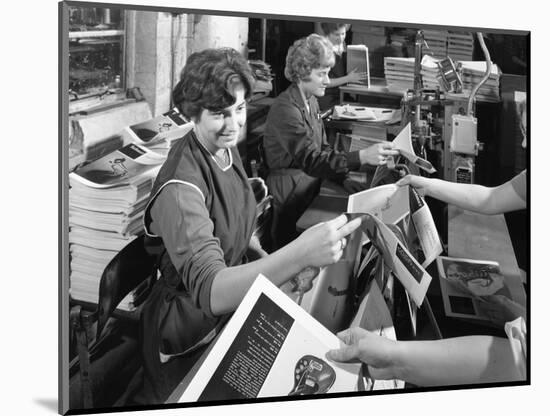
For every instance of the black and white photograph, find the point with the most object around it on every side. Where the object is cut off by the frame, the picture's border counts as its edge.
(154, 278)
(207, 257)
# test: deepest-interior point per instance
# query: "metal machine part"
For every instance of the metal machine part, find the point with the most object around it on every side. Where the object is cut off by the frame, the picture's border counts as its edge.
(449, 78)
(444, 129)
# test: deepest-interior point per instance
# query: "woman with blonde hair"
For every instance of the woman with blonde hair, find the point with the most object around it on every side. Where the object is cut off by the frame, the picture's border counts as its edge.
(296, 148)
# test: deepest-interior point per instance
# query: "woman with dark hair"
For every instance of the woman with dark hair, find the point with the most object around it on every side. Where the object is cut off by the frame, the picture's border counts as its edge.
(339, 75)
(199, 221)
(295, 143)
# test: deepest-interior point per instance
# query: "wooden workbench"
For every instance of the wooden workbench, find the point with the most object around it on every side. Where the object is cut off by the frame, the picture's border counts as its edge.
(485, 237)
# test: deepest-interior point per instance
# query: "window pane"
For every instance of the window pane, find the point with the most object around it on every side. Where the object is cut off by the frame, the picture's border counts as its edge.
(96, 37)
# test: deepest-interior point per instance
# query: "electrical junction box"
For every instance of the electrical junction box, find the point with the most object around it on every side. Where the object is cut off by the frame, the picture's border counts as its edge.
(464, 135)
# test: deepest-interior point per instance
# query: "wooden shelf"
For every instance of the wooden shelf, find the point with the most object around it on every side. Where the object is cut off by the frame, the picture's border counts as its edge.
(95, 34)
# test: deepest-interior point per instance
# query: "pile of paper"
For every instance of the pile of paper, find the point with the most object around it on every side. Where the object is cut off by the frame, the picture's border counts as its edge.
(437, 43)
(159, 133)
(399, 73)
(107, 199)
(472, 73)
(460, 46)
(430, 72)
(352, 112)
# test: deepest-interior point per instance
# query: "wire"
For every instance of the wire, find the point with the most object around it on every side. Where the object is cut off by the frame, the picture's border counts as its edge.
(485, 77)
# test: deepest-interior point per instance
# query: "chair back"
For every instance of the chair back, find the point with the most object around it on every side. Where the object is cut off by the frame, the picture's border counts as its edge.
(130, 267)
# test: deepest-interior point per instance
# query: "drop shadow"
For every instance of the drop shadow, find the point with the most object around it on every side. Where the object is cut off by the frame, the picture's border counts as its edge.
(49, 404)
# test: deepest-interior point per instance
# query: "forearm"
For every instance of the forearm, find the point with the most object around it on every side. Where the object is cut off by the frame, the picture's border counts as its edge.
(470, 197)
(323, 162)
(484, 200)
(464, 360)
(336, 82)
(231, 284)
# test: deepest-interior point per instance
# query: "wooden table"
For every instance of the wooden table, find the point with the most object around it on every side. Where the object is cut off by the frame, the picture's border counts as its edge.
(485, 237)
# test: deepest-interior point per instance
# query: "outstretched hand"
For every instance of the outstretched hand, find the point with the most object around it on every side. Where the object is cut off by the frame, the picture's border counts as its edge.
(420, 183)
(324, 243)
(364, 346)
(377, 154)
(354, 76)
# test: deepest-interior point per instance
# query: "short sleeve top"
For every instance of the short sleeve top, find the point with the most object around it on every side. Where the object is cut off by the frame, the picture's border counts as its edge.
(517, 332)
(519, 183)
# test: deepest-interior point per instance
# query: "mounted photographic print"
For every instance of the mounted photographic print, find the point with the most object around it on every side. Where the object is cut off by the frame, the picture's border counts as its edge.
(207, 160)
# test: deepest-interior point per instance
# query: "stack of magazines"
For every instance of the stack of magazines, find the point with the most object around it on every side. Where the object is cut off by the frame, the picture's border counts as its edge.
(430, 72)
(437, 43)
(399, 73)
(460, 46)
(473, 71)
(159, 133)
(107, 199)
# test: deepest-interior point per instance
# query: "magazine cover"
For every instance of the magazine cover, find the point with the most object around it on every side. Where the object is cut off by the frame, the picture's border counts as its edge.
(271, 347)
(160, 131)
(121, 167)
(465, 283)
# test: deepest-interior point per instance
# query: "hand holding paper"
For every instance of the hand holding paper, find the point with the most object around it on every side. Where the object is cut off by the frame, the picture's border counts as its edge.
(377, 154)
(419, 183)
(323, 244)
(365, 346)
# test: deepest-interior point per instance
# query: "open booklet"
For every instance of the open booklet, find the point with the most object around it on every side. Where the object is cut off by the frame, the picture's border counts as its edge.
(403, 143)
(391, 204)
(393, 209)
(465, 283)
(270, 347)
(121, 167)
(144, 149)
(159, 131)
(397, 257)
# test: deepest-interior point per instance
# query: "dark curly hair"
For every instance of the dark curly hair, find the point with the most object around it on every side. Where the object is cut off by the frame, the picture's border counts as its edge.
(329, 27)
(311, 52)
(209, 79)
